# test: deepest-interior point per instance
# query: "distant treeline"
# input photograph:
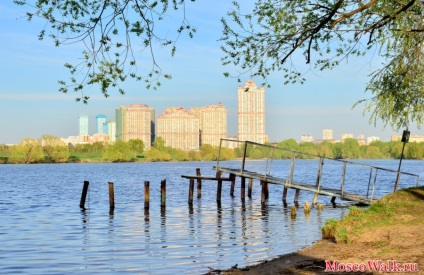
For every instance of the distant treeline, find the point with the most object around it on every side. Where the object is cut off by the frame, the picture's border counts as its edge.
(53, 151)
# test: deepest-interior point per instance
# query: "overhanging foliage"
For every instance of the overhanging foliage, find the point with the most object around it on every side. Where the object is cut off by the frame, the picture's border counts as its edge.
(327, 32)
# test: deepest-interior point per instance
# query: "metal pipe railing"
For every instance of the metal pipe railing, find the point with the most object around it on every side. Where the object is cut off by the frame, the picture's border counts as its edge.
(273, 149)
(369, 183)
(373, 186)
(343, 178)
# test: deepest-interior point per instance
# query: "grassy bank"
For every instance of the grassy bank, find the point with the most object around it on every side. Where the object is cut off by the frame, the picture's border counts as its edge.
(402, 208)
(389, 231)
(86, 157)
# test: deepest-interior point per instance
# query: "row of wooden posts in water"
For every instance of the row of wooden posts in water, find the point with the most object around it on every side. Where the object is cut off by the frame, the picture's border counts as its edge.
(112, 195)
(199, 178)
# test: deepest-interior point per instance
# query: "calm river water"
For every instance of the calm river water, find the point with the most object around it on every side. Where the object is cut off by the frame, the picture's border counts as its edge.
(43, 230)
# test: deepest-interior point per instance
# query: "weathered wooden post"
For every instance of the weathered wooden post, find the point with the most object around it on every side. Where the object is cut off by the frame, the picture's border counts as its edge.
(146, 195)
(266, 190)
(111, 197)
(199, 183)
(263, 192)
(84, 194)
(190, 192)
(285, 194)
(233, 184)
(219, 187)
(163, 193)
(307, 208)
(243, 188)
(249, 188)
(296, 196)
(315, 198)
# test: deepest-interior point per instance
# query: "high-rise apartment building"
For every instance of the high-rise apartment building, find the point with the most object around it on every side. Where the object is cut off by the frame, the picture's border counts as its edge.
(111, 130)
(83, 125)
(100, 127)
(179, 128)
(345, 136)
(372, 138)
(251, 112)
(212, 124)
(327, 134)
(361, 139)
(135, 121)
(307, 138)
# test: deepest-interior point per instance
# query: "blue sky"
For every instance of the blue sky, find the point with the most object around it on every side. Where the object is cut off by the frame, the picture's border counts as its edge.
(30, 104)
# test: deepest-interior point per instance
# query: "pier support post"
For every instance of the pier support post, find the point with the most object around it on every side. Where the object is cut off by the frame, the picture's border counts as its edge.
(296, 196)
(314, 202)
(333, 200)
(218, 191)
(199, 184)
(266, 189)
(249, 188)
(84, 194)
(243, 188)
(163, 193)
(190, 192)
(146, 195)
(111, 198)
(219, 187)
(233, 184)
(263, 192)
(285, 195)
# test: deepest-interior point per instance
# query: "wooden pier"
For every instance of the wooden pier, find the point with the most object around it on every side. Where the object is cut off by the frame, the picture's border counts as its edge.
(289, 183)
(264, 179)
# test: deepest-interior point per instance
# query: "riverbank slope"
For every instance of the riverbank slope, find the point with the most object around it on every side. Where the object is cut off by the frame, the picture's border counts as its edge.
(386, 237)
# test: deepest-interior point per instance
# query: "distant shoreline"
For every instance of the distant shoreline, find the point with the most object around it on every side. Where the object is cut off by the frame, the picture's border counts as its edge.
(3, 160)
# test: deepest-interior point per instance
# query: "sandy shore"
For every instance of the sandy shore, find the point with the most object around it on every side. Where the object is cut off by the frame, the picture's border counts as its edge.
(397, 247)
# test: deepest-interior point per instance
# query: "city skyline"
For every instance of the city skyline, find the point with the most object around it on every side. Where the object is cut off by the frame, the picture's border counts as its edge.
(187, 129)
(32, 106)
(326, 134)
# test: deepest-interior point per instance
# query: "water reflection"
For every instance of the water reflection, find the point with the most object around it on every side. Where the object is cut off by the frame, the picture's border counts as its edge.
(163, 231)
(85, 218)
(177, 238)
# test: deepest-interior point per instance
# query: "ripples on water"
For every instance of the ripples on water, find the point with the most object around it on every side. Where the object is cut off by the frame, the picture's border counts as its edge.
(43, 230)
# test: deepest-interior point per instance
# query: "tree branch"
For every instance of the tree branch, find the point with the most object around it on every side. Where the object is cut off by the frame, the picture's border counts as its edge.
(411, 30)
(347, 15)
(388, 18)
(299, 42)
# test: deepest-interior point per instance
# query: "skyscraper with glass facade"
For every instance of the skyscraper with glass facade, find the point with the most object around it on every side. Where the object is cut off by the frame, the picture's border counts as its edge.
(101, 128)
(83, 125)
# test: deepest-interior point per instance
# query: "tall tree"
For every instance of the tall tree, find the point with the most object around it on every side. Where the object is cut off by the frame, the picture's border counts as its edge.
(55, 149)
(29, 151)
(111, 31)
(327, 32)
(290, 144)
(137, 146)
(120, 151)
(159, 143)
(350, 148)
